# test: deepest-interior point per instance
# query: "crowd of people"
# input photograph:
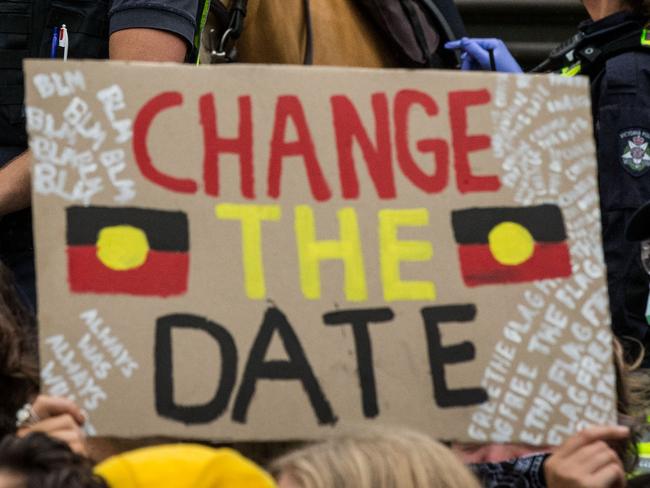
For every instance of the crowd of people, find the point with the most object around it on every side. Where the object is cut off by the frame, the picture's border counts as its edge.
(43, 439)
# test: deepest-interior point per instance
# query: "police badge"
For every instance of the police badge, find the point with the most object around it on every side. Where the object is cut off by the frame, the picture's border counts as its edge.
(634, 151)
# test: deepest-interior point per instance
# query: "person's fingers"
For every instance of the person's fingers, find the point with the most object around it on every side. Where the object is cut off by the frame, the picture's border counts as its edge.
(465, 62)
(52, 424)
(68, 436)
(610, 476)
(593, 434)
(586, 453)
(453, 44)
(489, 43)
(475, 65)
(597, 459)
(592, 465)
(63, 428)
(479, 54)
(75, 439)
(49, 406)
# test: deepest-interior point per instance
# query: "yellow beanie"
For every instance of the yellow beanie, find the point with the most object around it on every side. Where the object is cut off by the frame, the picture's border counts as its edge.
(180, 466)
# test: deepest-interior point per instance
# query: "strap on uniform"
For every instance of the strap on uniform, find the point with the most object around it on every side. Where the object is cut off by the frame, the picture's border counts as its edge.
(226, 50)
(309, 35)
(559, 55)
(573, 70)
(446, 16)
(589, 56)
(202, 20)
(645, 35)
(579, 56)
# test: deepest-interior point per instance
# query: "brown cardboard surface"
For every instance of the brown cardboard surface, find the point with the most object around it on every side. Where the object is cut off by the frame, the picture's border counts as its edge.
(256, 340)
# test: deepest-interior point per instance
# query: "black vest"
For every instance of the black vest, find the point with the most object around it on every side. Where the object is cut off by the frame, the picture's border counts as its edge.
(26, 32)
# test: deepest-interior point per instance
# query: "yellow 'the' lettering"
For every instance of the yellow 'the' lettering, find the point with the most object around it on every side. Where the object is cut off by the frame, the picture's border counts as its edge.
(393, 251)
(251, 217)
(348, 249)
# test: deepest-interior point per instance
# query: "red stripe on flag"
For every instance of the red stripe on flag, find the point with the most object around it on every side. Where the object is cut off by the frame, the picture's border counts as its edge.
(479, 267)
(162, 274)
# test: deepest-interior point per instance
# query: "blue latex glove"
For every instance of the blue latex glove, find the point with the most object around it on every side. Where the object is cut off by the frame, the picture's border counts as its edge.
(475, 55)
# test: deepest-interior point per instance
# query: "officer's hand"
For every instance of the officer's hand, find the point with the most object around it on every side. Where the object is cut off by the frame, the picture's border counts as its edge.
(475, 55)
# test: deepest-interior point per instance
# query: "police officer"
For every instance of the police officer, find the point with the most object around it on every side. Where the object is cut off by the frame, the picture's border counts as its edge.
(613, 49)
(122, 29)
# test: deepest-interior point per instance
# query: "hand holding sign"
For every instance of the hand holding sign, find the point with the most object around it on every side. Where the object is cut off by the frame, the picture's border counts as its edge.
(586, 460)
(59, 418)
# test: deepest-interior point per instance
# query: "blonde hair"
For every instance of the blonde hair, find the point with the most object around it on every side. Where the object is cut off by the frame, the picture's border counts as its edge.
(378, 458)
(632, 389)
(632, 383)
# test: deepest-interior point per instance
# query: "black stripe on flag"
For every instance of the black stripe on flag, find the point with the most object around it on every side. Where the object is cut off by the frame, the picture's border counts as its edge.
(165, 230)
(544, 222)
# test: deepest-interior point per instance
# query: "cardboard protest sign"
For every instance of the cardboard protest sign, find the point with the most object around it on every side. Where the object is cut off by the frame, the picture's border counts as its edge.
(262, 253)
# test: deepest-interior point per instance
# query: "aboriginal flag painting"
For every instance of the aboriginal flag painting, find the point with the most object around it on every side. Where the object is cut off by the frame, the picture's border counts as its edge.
(511, 245)
(129, 251)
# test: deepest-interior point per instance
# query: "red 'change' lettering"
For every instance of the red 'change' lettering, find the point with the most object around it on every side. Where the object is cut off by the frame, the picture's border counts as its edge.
(289, 107)
(214, 145)
(348, 128)
(429, 183)
(464, 144)
(141, 126)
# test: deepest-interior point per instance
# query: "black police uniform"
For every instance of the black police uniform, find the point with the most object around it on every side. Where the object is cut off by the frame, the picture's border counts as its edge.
(621, 109)
(26, 28)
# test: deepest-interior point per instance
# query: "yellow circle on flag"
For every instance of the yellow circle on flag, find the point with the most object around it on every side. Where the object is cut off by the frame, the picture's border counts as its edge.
(511, 244)
(122, 247)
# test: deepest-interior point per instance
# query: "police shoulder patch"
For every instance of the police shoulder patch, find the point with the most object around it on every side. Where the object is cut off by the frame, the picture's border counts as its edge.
(634, 150)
